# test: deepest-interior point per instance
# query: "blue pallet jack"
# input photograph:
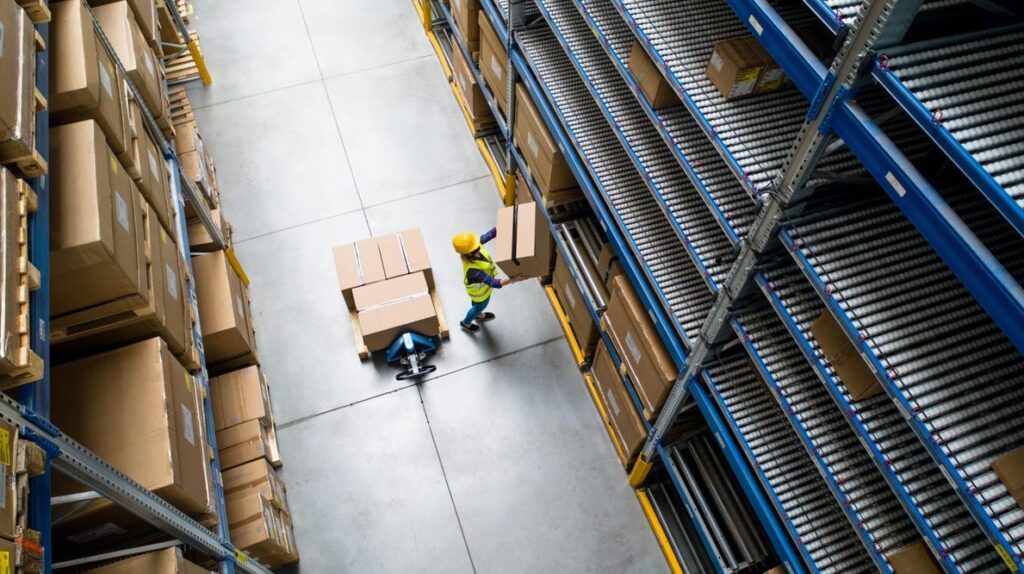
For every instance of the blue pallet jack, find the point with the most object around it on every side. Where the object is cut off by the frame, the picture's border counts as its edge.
(410, 351)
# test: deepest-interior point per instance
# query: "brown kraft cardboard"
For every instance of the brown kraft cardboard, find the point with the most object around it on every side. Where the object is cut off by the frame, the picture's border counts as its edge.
(523, 245)
(629, 428)
(849, 365)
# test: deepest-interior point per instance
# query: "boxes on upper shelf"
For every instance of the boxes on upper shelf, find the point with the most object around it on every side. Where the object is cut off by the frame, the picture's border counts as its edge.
(741, 67)
(493, 61)
(628, 427)
(145, 18)
(224, 314)
(464, 12)
(166, 561)
(545, 159)
(17, 98)
(152, 176)
(134, 52)
(476, 104)
(655, 87)
(523, 246)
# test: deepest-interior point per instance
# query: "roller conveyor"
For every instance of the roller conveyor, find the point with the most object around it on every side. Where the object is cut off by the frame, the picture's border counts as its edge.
(710, 248)
(838, 14)
(654, 242)
(816, 522)
(874, 510)
(927, 496)
(964, 92)
(941, 358)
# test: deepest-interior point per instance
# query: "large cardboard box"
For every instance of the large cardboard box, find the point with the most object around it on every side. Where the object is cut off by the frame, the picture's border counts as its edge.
(850, 367)
(543, 156)
(390, 307)
(1009, 468)
(242, 443)
(465, 13)
(628, 427)
(153, 179)
(238, 397)
(608, 268)
(8, 551)
(913, 559)
(84, 83)
(223, 312)
(644, 356)
(655, 87)
(741, 66)
(145, 19)
(493, 62)
(137, 408)
(575, 306)
(258, 476)
(258, 532)
(166, 561)
(96, 238)
(523, 245)
(133, 51)
(17, 76)
(476, 103)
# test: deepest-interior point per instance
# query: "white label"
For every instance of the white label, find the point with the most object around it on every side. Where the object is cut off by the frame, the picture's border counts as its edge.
(496, 66)
(742, 88)
(460, 79)
(755, 25)
(239, 307)
(101, 531)
(634, 349)
(3, 486)
(186, 425)
(153, 167)
(532, 144)
(122, 212)
(717, 62)
(895, 183)
(612, 403)
(1, 39)
(106, 81)
(772, 75)
(172, 281)
(569, 296)
(149, 63)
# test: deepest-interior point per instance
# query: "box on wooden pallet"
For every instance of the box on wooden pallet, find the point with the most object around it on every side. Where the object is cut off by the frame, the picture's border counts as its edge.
(84, 83)
(653, 84)
(628, 427)
(133, 51)
(543, 156)
(493, 62)
(465, 14)
(575, 307)
(387, 308)
(476, 103)
(523, 244)
(224, 313)
(639, 345)
(258, 476)
(138, 409)
(17, 98)
(378, 258)
(741, 67)
(166, 561)
(18, 363)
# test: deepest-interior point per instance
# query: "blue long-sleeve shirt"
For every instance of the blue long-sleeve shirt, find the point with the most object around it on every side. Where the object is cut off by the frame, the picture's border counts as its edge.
(478, 276)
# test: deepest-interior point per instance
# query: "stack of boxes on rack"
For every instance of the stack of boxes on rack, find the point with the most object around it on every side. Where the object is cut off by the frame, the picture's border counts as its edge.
(126, 382)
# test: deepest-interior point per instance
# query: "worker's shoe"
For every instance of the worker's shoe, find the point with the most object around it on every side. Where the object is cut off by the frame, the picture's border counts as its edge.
(485, 316)
(469, 327)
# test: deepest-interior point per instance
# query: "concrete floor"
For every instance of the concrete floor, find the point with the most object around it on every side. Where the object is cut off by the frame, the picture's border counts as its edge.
(330, 121)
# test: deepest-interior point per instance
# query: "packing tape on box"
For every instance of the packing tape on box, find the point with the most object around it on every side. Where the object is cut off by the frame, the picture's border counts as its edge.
(405, 256)
(401, 299)
(515, 232)
(359, 264)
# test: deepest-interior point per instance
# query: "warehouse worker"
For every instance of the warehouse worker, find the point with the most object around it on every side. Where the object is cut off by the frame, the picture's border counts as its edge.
(479, 275)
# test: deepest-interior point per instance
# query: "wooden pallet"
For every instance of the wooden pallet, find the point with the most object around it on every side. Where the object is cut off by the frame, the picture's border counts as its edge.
(181, 67)
(23, 161)
(180, 108)
(24, 365)
(38, 11)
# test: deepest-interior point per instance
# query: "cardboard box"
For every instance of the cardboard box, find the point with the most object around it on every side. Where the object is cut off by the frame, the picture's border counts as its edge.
(193, 157)
(628, 427)
(96, 243)
(850, 367)
(913, 559)
(166, 561)
(8, 552)
(493, 61)
(133, 51)
(242, 443)
(291, 552)
(465, 14)
(135, 407)
(17, 75)
(256, 476)
(145, 19)
(636, 339)
(776, 570)
(608, 268)
(741, 66)
(1009, 468)
(199, 239)
(154, 178)
(655, 87)
(476, 103)
(237, 397)
(533, 250)
(403, 253)
(390, 307)
(259, 535)
(575, 307)
(8, 484)
(543, 156)
(84, 83)
(224, 312)
(357, 264)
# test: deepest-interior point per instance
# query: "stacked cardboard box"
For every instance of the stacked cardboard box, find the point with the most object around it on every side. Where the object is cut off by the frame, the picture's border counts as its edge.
(628, 429)
(243, 418)
(167, 561)
(476, 103)
(573, 299)
(465, 13)
(18, 94)
(545, 160)
(258, 513)
(388, 286)
(741, 66)
(229, 337)
(493, 59)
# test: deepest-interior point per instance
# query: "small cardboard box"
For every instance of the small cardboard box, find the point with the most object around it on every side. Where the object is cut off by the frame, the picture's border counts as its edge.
(223, 311)
(647, 362)
(476, 103)
(258, 476)
(96, 237)
(913, 559)
(655, 87)
(465, 13)
(543, 156)
(132, 50)
(357, 264)
(166, 561)
(17, 75)
(242, 443)
(84, 83)
(403, 253)
(849, 366)
(1009, 468)
(388, 308)
(741, 66)
(237, 397)
(576, 310)
(532, 252)
(628, 427)
(493, 61)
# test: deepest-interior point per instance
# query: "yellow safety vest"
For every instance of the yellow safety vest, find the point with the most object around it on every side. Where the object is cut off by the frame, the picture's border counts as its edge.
(478, 292)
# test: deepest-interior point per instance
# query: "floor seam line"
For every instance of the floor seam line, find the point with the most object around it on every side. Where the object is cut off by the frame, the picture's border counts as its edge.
(492, 359)
(256, 95)
(298, 225)
(426, 191)
(444, 475)
(308, 418)
(377, 67)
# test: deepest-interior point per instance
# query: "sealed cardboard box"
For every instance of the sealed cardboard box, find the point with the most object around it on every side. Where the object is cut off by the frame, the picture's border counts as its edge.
(291, 551)
(17, 75)
(258, 534)
(136, 407)
(403, 253)
(259, 476)
(629, 429)
(1009, 468)
(237, 397)
(913, 559)
(391, 307)
(476, 103)
(223, 313)
(8, 486)
(523, 244)
(8, 551)
(133, 51)
(741, 66)
(242, 443)
(145, 18)
(84, 83)
(357, 264)
(154, 179)
(576, 310)
(465, 13)
(608, 268)
(199, 239)
(653, 84)
(543, 156)
(636, 339)
(166, 561)
(96, 242)
(192, 156)
(493, 61)
(846, 360)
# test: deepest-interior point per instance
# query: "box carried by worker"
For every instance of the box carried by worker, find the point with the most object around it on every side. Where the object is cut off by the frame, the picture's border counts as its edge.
(524, 247)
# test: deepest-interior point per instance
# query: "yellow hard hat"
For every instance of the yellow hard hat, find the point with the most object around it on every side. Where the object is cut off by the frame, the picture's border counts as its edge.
(466, 243)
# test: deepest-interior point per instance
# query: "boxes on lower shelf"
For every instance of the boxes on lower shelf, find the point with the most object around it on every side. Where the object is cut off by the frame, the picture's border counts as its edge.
(476, 104)
(576, 311)
(260, 529)
(257, 476)
(628, 427)
(224, 313)
(544, 158)
(166, 561)
(464, 12)
(239, 396)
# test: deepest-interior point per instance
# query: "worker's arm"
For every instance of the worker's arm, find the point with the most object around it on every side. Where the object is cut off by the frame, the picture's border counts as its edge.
(478, 276)
(486, 237)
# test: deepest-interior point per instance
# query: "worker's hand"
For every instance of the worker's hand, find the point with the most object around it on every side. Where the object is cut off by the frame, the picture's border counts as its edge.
(504, 281)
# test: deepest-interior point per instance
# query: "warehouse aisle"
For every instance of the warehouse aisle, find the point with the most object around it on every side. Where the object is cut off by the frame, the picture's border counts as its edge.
(330, 121)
